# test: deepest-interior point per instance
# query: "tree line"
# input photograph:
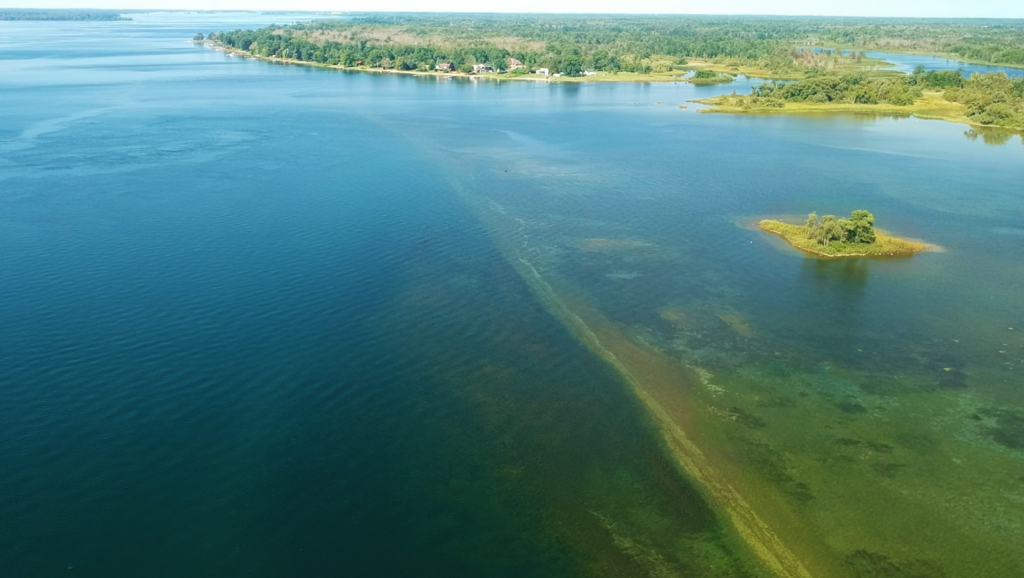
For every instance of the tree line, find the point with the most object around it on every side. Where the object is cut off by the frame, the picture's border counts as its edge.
(619, 43)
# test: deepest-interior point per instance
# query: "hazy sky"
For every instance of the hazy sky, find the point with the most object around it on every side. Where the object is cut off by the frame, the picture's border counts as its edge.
(931, 8)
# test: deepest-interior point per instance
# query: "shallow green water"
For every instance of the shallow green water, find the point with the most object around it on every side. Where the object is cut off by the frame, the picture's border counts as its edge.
(873, 406)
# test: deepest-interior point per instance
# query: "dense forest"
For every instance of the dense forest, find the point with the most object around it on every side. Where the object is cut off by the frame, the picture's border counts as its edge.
(644, 44)
(29, 14)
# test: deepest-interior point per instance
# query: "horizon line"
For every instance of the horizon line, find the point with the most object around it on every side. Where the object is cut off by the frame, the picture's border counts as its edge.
(472, 12)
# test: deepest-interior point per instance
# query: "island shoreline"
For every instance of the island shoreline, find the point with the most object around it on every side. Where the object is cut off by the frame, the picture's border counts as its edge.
(910, 247)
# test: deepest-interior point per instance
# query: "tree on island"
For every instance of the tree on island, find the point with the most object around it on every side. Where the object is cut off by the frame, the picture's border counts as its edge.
(858, 229)
(198, 37)
(812, 225)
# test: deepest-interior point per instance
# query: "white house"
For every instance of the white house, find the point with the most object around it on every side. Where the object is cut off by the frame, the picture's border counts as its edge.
(543, 71)
(482, 68)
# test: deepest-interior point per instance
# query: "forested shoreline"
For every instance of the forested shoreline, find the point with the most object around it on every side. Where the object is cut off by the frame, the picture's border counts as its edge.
(562, 44)
(777, 46)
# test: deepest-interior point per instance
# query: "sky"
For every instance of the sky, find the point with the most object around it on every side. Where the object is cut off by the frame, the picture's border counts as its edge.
(916, 8)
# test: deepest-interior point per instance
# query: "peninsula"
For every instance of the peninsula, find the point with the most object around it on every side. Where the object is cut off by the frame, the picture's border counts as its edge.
(831, 237)
(992, 99)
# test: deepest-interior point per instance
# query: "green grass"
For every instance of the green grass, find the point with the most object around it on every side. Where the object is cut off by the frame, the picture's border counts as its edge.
(885, 245)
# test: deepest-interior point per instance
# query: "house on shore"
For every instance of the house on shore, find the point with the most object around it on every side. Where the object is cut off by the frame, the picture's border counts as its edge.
(444, 67)
(543, 72)
(515, 64)
(482, 68)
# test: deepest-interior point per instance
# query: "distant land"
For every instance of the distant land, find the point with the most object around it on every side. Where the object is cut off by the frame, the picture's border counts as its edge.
(27, 14)
(770, 47)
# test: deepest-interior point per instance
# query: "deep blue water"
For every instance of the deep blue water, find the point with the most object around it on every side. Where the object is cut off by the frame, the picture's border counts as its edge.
(255, 323)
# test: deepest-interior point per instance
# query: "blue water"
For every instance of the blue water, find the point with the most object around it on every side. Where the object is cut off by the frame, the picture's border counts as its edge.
(266, 320)
(906, 63)
(250, 329)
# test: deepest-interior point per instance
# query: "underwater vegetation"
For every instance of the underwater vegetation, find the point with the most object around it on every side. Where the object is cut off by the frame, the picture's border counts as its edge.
(1004, 426)
(864, 564)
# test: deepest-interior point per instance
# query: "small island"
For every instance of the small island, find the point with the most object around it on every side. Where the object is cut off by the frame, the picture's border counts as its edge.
(703, 77)
(831, 237)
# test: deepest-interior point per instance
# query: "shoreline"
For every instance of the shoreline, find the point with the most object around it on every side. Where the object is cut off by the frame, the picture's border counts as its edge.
(673, 76)
(601, 76)
(883, 67)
